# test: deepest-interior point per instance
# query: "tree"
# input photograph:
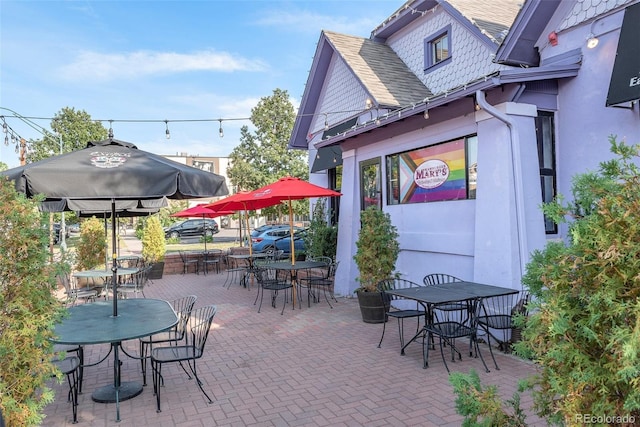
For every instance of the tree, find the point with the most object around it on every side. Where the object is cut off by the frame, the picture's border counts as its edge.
(28, 310)
(74, 127)
(3, 166)
(584, 327)
(262, 157)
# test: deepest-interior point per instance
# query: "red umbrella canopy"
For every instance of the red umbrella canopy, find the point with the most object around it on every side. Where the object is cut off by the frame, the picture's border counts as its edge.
(202, 211)
(242, 201)
(291, 188)
(288, 189)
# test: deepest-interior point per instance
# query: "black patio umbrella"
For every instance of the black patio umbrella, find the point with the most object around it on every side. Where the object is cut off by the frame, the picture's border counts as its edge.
(114, 173)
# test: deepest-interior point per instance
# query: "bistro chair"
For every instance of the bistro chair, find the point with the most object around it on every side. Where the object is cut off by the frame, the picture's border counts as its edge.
(439, 279)
(236, 270)
(188, 261)
(73, 293)
(211, 258)
(79, 353)
(497, 317)
(274, 281)
(183, 308)
(448, 328)
(70, 367)
(137, 284)
(324, 280)
(193, 349)
(399, 307)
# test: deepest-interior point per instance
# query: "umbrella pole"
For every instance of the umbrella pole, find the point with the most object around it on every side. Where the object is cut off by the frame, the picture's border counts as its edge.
(204, 231)
(293, 251)
(114, 265)
(246, 217)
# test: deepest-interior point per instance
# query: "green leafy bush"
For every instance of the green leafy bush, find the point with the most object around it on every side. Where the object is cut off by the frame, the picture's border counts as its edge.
(584, 327)
(321, 239)
(28, 310)
(483, 406)
(377, 248)
(153, 241)
(92, 247)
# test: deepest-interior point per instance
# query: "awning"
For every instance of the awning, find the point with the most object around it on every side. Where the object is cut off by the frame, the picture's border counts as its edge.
(625, 78)
(327, 158)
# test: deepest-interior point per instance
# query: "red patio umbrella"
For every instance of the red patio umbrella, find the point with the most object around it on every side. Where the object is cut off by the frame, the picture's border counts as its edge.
(288, 189)
(242, 200)
(201, 211)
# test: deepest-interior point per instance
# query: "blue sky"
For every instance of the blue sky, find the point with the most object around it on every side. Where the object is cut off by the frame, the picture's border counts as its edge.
(164, 60)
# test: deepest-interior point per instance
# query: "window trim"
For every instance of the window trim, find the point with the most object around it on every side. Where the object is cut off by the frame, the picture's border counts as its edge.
(429, 64)
(376, 161)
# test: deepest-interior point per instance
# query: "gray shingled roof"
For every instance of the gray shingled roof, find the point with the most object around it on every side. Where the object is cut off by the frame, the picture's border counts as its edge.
(380, 70)
(493, 17)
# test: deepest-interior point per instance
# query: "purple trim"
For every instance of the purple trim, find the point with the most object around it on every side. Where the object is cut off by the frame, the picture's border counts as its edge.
(429, 66)
(403, 18)
(518, 48)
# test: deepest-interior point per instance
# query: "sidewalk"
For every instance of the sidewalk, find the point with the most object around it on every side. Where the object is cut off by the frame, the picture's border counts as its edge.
(309, 367)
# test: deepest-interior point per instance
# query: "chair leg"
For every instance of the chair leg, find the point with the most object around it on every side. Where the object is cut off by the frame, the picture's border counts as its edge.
(384, 326)
(192, 367)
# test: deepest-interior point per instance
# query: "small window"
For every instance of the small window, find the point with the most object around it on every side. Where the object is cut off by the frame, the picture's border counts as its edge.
(437, 49)
(370, 183)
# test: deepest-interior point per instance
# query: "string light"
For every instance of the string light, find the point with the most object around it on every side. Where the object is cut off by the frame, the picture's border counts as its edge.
(166, 122)
(110, 129)
(220, 131)
(426, 114)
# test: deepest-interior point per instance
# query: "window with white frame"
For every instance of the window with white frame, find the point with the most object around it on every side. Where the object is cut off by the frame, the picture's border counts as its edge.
(437, 49)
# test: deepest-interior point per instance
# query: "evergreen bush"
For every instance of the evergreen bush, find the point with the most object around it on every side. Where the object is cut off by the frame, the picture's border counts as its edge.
(28, 310)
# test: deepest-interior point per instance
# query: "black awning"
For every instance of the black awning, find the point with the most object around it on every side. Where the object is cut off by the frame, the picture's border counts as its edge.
(327, 158)
(625, 78)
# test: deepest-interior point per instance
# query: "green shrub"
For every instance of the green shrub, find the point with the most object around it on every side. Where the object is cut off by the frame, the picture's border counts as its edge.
(584, 327)
(91, 250)
(153, 241)
(483, 406)
(321, 239)
(28, 310)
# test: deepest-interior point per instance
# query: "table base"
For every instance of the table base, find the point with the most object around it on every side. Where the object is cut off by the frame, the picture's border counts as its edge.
(107, 394)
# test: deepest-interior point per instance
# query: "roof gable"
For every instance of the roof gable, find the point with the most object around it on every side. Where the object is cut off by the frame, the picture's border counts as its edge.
(381, 71)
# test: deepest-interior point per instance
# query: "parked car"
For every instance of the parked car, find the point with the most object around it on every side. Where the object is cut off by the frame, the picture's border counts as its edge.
(192, 227)
(276, 238)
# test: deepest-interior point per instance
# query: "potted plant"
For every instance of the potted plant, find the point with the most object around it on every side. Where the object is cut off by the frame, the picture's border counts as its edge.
(376, 256)
(154, 246)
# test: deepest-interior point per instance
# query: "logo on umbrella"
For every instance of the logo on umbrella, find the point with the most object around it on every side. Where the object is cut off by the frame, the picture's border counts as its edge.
(108, 160)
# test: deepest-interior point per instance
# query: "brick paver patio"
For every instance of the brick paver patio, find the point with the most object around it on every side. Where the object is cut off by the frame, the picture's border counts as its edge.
(309, 367)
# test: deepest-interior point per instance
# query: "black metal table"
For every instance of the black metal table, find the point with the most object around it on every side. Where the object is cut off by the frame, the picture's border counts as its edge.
(94, 323)
(294, 268)
(431, 296)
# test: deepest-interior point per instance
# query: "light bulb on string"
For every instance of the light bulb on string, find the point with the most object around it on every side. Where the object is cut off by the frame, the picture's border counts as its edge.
(220, 131)
(167, 133)
(110, 129)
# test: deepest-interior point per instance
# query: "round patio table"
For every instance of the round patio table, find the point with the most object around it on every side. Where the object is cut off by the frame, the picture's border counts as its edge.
(94, 323)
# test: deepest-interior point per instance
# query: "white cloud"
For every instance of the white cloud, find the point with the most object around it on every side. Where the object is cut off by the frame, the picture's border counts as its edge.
(310, 22)
(96, 66)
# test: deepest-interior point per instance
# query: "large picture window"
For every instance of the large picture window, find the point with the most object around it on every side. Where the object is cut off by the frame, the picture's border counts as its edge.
(370, 183)
(446, 171)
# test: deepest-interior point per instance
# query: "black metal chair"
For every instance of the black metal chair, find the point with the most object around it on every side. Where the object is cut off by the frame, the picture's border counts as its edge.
(137, 283)
(399, 307)
(211, 258)
(188, 262)
(497, 316)
(70, 366)
(183, 308)
(314, 282)
(274, 281)
(440, 278)
(193, 349)
(448, 328)
(236, 270)
(79, 352)
(73, 293)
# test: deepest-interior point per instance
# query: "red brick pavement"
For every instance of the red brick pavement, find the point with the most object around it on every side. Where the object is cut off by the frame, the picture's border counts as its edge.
(309, 367)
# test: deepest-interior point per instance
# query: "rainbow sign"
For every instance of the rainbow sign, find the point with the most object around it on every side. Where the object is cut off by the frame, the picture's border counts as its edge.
(433, 173)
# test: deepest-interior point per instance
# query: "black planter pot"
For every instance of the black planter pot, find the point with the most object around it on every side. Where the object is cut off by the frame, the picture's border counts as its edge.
(157, 269)
(372, 307)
